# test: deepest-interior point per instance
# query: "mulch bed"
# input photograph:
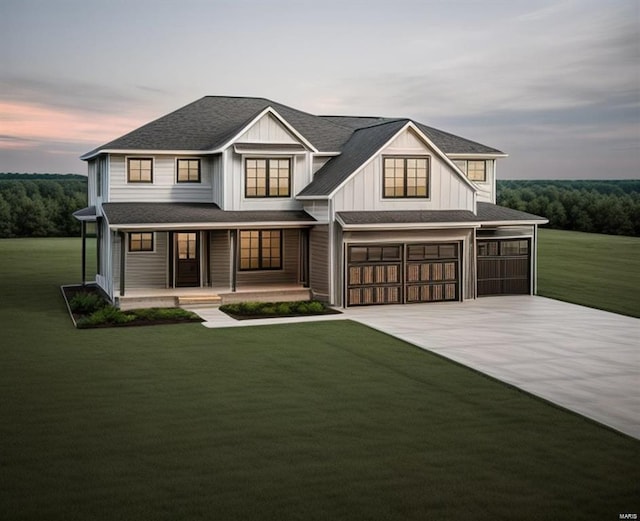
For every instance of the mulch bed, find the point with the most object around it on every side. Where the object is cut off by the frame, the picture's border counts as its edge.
(290, 315)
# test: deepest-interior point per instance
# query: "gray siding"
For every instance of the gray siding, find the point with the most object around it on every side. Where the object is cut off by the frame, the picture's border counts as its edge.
(319, 261)
(290, 272)
(220, 259)
(164, 188)
(148, 269)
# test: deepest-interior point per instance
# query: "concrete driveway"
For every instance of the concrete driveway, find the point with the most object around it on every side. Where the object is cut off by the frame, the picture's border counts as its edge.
(580, 358)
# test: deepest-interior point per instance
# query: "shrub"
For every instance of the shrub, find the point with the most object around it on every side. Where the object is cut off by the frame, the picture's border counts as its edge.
(316, 307)
(106, 315)
(154, 314)
(302, 308)
(283, 308)
(86, 303)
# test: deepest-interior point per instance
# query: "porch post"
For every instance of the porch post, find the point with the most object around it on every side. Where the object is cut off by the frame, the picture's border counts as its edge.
(123, 257)
(83, 233)
(234, 259)
(304, 256)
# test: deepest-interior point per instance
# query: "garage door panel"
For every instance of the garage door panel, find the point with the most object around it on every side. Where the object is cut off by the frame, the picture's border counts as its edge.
(504, 267)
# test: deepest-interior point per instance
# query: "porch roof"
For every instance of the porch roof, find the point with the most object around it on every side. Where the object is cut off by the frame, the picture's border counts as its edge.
(487, 213)
(86, 214)
(123, 215)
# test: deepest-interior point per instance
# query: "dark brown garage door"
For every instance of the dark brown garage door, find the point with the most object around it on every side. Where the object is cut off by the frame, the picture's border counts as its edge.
(402, 273)
(504, 267)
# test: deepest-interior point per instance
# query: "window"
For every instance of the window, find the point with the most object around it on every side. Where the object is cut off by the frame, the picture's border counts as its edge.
(140, 170)
(267, 177)
(260, 249)
(419, 252)
(475, 170)
(141, 241)
(188, 170)
(406, 177)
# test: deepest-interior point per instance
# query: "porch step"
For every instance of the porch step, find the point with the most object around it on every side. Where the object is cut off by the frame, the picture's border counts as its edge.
(195, 301)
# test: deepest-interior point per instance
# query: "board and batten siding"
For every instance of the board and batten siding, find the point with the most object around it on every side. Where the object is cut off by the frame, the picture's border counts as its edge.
(143, 270)
(267, 130)
(447, 191)
(290, 272)
(165, 188)
(319, 261)
(220, 258)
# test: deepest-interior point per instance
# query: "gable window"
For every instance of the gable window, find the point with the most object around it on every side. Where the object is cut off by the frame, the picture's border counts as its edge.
(266, 177)
(260, 250)
(140, 170)
(141, 241)
(188, 170)
(405, 177)
(475, 170)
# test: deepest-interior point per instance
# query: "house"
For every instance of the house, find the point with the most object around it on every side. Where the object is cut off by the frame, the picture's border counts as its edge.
(236, 198)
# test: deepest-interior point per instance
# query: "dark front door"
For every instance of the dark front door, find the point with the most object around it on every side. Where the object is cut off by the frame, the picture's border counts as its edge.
(187, 261)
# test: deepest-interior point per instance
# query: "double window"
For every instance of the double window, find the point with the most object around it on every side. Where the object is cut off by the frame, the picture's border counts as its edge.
(476, 170)
(267, 177)
(260, 249)
(142, 241)
(188, 170)
(140, 170)
(405, 177)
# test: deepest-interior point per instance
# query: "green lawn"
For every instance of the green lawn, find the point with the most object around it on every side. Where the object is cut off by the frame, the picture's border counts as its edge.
(318, 421)
(600, 271)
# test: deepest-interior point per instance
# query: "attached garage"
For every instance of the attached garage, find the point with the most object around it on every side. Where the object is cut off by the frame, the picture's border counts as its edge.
(402, 273)
(504, 267)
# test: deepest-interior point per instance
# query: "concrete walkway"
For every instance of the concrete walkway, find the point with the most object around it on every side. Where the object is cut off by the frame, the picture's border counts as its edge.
(583, 359)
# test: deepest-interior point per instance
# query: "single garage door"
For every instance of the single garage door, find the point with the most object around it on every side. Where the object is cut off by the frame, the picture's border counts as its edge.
(402, 273)
(504, 267)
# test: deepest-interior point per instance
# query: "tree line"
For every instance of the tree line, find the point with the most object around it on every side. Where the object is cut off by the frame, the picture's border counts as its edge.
(610, 207)
(40, 205)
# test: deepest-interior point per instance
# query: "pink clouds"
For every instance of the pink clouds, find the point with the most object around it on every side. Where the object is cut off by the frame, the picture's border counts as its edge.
(26, 125)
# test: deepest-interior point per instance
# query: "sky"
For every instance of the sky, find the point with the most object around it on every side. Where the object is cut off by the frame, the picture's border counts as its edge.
(554, 84)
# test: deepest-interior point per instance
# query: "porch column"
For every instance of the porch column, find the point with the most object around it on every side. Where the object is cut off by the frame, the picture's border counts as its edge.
(122, 261)
(234, 259)
(304, 257)
(83, 234)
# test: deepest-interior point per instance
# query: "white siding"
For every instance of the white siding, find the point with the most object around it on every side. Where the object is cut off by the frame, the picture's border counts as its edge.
(91, 182)
(267, 130)
(319, 162)
(217, 180)
(234, 179)
(319, 209)
(164, 188)
(447, 191)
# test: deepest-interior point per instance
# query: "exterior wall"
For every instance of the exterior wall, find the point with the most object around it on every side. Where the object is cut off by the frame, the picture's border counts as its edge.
(289, 274)
(319, 262)
(217, 180)
(318, 209)
(164, 188)
(147, 269)
(486, 188)
(267, 130)
(464, 236)
(318, 162)
(220, 258)
(447, 191)
(104, 277)
(91, 182)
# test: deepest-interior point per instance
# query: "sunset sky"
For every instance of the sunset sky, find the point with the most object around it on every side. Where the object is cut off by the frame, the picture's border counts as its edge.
(555, 84)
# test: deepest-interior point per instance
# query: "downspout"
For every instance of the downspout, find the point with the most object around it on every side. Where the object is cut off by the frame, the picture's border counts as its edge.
(83, 234)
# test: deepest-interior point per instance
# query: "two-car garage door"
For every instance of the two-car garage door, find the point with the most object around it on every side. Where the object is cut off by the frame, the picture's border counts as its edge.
(402, 273)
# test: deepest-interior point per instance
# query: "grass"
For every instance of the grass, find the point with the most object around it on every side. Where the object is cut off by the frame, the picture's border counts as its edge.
(316, 421)
(599, 271)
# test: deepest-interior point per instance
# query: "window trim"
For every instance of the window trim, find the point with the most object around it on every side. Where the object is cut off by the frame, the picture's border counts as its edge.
(465, 168)
(427, 158)
(260, 258)
(188, 181)
(138, 158)
(267, 159)
(130, 249)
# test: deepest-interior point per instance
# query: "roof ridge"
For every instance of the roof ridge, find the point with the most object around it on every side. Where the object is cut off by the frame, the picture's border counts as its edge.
(387, 122)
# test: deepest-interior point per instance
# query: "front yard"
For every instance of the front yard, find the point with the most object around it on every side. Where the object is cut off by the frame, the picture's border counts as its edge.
(316, 421)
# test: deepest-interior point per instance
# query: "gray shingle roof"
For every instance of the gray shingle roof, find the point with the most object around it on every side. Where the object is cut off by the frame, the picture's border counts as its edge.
(189, 213)
(210, 122)
(487, 212)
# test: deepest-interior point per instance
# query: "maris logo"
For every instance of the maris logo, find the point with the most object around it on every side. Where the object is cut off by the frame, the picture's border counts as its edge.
(628, 516)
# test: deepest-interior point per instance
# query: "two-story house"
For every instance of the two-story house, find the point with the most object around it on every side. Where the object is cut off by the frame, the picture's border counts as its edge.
(233, 198)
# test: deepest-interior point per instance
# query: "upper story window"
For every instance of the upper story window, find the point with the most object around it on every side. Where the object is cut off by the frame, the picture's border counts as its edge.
(142, 241)
(188, 170)
(140, 170)
(267, 177)
(476, 170)
(405, 177)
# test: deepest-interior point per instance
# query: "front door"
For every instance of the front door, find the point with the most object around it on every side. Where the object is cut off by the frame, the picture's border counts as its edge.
(187, 261)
